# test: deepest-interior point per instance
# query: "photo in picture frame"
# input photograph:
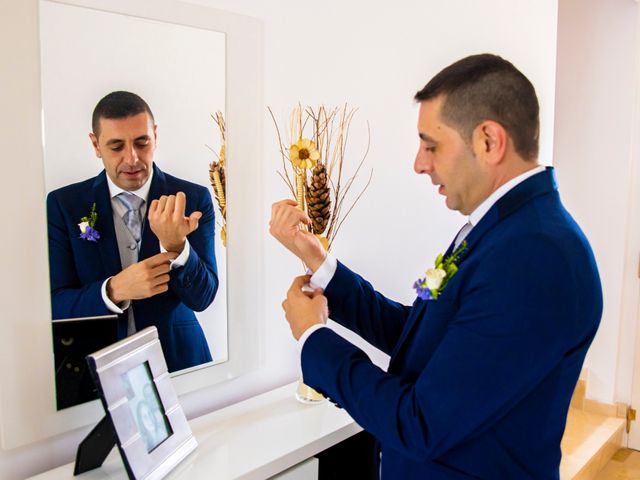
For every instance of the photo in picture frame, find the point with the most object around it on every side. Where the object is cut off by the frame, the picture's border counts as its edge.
(142, 408)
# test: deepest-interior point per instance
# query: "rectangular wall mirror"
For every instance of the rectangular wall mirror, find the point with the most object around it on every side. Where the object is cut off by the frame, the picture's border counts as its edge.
(187, 61)
(179, 71)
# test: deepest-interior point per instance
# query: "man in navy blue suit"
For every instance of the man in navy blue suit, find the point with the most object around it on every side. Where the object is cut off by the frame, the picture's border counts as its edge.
(484, 363)
(134, 240)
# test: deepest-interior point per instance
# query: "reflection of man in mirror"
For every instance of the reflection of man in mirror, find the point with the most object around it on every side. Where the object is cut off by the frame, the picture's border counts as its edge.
(147, 253)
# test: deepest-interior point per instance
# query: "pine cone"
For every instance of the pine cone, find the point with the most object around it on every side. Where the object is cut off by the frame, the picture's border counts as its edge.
(318, 199)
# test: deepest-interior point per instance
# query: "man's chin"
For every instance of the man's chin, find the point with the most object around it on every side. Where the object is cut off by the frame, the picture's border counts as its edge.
(133, 183)
(451, 205)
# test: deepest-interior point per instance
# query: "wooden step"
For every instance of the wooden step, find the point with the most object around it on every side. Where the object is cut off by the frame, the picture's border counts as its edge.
(589, 442)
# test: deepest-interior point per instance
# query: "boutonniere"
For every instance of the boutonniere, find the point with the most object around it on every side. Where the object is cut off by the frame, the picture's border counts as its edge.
(87, 224)
(431, 286)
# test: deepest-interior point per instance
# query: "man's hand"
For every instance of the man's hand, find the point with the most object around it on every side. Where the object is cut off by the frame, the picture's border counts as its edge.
(303, 310)
(285, 226)
(167, 221)
(141, 280)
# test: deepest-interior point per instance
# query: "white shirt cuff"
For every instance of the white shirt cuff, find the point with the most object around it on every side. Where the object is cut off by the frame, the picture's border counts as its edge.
(324, 274)
(109, 303)
(181, 259)
(307, 333)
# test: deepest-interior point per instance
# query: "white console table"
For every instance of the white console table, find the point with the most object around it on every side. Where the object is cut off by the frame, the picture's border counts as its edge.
(254, 439)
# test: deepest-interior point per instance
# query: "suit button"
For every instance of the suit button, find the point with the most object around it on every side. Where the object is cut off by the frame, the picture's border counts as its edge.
(132, 246)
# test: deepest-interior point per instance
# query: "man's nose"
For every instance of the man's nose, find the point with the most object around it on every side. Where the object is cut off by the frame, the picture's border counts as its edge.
(131, 156)
(422, 164)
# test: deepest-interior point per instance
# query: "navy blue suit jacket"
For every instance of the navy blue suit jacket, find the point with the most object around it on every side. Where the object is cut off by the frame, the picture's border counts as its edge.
(78, 267)
(480, 380)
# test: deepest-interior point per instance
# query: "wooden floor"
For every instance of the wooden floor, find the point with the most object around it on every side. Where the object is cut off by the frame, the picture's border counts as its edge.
(625, 465)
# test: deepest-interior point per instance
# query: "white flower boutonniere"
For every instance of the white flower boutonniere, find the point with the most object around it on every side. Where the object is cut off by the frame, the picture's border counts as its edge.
(87, 224)
(431, 286)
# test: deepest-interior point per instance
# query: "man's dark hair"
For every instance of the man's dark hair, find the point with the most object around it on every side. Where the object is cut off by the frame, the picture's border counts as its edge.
(487, 87)
(118, 105)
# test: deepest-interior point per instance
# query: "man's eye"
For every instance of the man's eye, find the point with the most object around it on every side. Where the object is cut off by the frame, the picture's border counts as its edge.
(430, 149)
(142, 144)
(117, 149)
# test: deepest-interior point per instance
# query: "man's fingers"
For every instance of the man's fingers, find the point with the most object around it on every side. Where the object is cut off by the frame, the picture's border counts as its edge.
(162, 202)
(283, 208)
(180, 204)
(299, 282)
(170, 206)
(296, 286)
(153, 207)
(278, 205)
(161, 279)
(193, 219)
(286, 218)
(318, 292)
(158, 270)
(161, 258)
(159, 289)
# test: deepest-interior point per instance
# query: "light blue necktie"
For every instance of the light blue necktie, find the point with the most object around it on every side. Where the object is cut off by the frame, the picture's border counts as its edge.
(132, 217)
(462, 234)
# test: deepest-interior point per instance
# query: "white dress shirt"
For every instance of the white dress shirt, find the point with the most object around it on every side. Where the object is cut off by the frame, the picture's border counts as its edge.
(326, 271)
(120, 210)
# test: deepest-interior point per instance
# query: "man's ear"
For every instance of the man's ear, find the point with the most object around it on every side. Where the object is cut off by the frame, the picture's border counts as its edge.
(94, 142)
(490, 141)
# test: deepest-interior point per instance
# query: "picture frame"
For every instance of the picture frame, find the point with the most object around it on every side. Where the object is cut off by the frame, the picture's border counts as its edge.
(73, 340)
(141, 406)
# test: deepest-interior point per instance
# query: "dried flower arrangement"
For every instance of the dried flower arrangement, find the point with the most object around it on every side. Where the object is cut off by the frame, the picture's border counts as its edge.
(217, 175)
(313, 166)
(313, 169)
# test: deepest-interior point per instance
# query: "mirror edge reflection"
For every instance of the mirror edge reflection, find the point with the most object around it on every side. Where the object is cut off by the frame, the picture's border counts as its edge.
(27, 404)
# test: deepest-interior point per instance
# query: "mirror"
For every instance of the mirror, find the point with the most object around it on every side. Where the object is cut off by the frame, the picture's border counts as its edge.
(179, 71)
(27, 394)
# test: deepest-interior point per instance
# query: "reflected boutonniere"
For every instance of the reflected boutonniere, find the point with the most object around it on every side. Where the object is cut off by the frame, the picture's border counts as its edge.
(87, 224)
(431, 286)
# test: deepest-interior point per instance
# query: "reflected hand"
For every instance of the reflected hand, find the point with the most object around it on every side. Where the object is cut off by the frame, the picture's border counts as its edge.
(141, 280)
(168, 223)
(303, 310)
(285, 226)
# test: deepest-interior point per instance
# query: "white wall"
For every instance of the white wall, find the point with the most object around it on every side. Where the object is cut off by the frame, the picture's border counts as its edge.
(374, 55)
(595, 101)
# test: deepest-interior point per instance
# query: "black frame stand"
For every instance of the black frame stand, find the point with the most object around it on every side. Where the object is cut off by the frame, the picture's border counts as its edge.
(95, 447)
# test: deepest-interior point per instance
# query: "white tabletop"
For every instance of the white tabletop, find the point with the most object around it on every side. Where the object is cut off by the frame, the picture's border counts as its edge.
(253, 439)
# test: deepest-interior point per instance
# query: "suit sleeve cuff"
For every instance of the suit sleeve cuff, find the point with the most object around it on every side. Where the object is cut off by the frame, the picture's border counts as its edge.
(107, 301)
(324, 274)
(180, 260)
(307, 333)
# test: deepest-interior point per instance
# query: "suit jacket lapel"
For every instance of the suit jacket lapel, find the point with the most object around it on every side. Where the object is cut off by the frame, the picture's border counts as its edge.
(108, 243)
(539, 184)
(149, 245)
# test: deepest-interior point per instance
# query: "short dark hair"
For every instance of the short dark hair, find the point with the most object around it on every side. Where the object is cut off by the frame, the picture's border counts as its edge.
(119, 104)
(488, 87)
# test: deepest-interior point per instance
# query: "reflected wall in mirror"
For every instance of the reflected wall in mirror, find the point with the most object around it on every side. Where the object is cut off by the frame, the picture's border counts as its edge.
(180, 72)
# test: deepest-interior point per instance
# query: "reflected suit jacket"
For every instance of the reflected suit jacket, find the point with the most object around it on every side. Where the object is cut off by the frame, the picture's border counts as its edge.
(480, 380)
(79, 267)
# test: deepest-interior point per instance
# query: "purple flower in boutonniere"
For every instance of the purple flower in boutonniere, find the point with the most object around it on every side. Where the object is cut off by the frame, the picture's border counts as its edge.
(431, 286)
(87, 224)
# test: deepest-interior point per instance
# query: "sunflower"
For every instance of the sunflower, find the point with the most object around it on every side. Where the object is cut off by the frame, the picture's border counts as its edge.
(304, 154)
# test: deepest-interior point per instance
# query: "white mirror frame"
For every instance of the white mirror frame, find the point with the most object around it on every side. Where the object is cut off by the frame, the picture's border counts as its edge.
(27, 393)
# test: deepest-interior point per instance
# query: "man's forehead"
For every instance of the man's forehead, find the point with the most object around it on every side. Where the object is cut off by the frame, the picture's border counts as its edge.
(117, 139)
(430, 123)
(134, 126)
